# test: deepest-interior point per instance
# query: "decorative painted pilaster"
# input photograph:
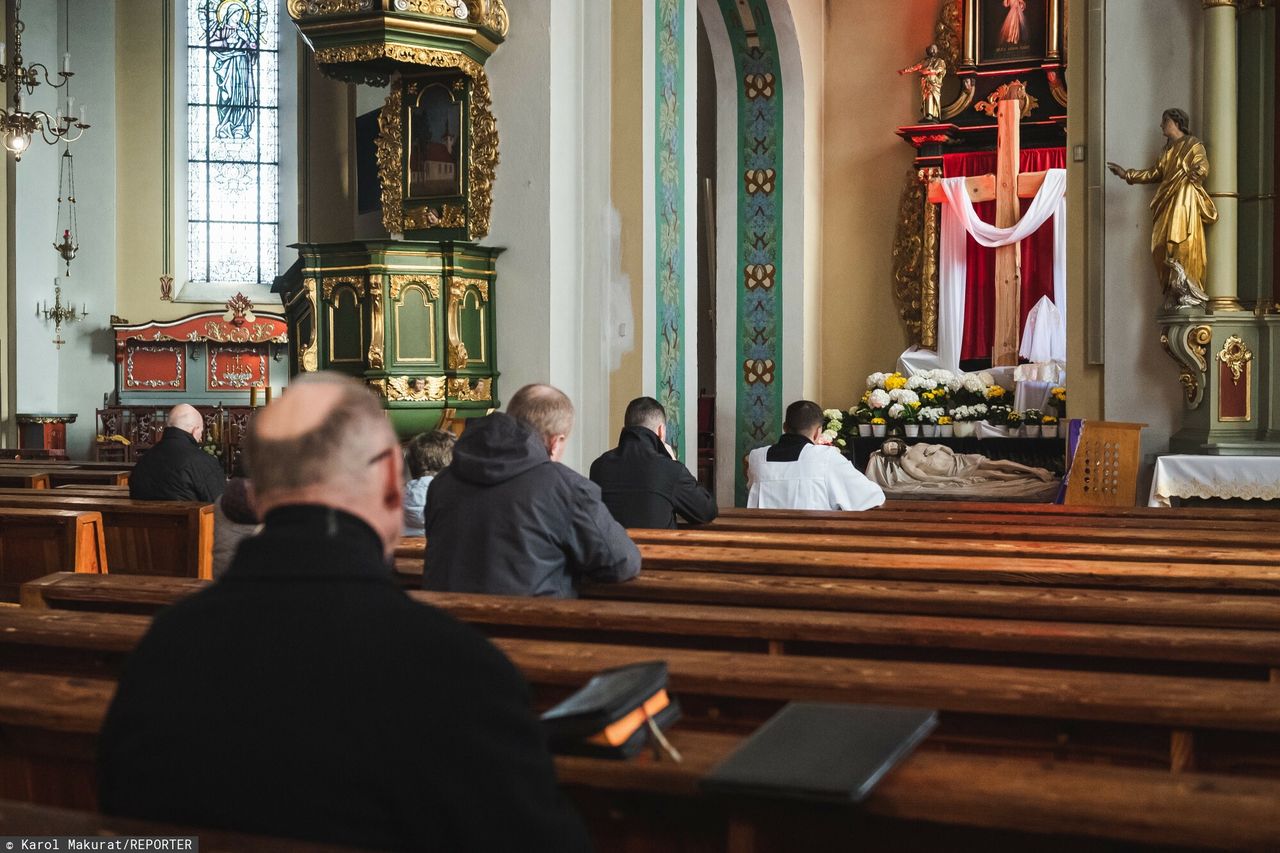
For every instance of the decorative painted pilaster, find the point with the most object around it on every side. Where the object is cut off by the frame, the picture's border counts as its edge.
(759, 406)
(674, 213)
(1220, 138)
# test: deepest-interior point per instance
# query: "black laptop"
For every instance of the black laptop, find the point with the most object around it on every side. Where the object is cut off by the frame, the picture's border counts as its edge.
(817, 751)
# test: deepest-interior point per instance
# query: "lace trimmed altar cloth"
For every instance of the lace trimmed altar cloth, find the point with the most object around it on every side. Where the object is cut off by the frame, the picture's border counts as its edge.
(1191, 476)
(937, 469)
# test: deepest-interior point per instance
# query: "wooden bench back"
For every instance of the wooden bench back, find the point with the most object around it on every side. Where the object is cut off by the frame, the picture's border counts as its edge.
(142, 537)
(33, 541)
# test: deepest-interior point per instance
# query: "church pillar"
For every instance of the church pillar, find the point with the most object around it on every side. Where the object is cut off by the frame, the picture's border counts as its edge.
(1220, 134)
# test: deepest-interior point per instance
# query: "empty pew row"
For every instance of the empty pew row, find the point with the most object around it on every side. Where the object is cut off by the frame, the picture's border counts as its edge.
(651, 805)
(59, 474)
(790, 556)
(1213, 651)
(142, 537)
(32, 541)
(1177, 722)
(129, 593)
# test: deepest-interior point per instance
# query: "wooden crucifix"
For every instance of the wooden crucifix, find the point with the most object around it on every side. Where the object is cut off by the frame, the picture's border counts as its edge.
(1006, 186)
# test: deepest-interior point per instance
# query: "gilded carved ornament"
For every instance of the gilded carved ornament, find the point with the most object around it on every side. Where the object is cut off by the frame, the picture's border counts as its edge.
(462, 389)
(914, 288)
(1188, 352)
(491, 14)
(992, 102)
(482, 153)
(307, 355)
(330, 284)
(1235, 355)
(376, 329)
(416, 389)
(429, 283)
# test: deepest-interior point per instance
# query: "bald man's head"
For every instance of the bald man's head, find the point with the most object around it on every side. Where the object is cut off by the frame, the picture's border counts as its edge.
(547, 411)
(187, 419)
(328, 442)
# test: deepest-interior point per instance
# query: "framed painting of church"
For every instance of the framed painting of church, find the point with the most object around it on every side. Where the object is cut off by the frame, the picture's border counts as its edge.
(434, 143)
(1014, 30)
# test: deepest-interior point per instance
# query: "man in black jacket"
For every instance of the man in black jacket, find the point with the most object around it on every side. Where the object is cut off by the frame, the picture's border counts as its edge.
(640, 480)
(176, 469)
(507, 518)
(305, 695)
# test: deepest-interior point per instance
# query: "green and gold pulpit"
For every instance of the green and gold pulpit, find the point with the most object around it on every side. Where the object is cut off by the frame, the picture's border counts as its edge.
(413, 319)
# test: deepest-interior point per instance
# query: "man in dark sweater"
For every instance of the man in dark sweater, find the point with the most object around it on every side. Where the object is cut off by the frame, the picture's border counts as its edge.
(507, 518)
(640, 480)
(305, 695)
(176, 469)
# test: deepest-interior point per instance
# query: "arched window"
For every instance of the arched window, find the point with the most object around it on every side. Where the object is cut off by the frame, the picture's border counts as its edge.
(231, 59)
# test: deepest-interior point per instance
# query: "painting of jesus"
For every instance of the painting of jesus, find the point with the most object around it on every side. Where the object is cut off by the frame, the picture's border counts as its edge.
(1012, 30)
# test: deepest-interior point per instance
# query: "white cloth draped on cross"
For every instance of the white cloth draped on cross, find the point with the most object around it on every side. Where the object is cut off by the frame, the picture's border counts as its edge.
(959, 219)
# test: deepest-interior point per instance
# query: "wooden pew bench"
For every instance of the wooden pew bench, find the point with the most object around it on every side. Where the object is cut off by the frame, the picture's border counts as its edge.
(142, 537)
(33, 541)
(66, 473)
(929, 508)
(1216, 652)
(48, 754)
(24, 479)
(143, 594)
(689, 550)
(1139, 719)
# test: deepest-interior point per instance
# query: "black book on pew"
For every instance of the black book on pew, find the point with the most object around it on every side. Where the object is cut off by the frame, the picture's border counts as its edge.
(826, 752)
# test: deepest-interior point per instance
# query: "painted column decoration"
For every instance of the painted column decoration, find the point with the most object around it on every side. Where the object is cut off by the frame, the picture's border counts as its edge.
(670, 213)
(759, 404)
(1220, 138)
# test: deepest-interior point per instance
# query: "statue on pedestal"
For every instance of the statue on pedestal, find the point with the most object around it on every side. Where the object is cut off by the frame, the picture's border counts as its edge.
(1180, 209)
(931, 70)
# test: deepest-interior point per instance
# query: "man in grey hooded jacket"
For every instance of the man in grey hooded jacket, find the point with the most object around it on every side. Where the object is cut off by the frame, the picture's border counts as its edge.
(507, 518)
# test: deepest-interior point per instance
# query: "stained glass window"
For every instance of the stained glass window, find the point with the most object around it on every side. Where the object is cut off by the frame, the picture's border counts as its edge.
(233, 152)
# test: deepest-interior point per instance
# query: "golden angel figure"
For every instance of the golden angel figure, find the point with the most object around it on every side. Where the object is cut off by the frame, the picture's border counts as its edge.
(931, 69)
(1181, 207)
(1014, 22)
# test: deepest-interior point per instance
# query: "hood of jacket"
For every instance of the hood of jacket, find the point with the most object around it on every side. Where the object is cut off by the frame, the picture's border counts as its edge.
(496, 448)
(642, 441)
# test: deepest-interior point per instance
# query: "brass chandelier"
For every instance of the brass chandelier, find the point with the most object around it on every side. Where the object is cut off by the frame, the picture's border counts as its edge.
(17, 125)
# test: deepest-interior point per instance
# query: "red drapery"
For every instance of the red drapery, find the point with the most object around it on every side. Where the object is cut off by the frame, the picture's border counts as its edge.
(1037, 250)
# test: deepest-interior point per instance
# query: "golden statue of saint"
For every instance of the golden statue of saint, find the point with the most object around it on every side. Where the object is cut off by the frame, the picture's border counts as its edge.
(1181, 207)
(931, 69)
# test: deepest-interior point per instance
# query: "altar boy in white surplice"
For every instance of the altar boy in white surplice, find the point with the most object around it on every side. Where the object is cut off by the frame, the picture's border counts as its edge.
(798, 473)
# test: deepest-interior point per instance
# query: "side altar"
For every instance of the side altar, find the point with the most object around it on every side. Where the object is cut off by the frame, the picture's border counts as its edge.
(413, 319)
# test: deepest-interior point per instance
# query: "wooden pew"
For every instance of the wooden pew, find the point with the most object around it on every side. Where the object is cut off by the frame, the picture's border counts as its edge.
(25, 819)
(143, 594)
(64, 475)
(142, 537)
(1142, 719)
(24, 479)
(687, 550)
(34, 541)
(48, 752)
(931, 508)
(1217, 652)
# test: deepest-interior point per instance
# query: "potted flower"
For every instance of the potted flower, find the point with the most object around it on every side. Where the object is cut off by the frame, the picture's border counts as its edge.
(998, 415)
(1031, 422)
(878, 426)
(929, 420)
(1049, 426)
(911, 419)
(1058, 401)
(966, 418)
(832, 427)
(944, 426)
(862, 416)
(1013, 421)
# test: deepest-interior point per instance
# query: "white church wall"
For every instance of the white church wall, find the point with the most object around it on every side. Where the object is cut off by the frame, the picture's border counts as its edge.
(86, 368)
(73, 378)
(550, 198)
(1148, 69)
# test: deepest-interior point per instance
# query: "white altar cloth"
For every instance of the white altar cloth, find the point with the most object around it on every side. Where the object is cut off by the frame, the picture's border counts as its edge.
(1191, 476)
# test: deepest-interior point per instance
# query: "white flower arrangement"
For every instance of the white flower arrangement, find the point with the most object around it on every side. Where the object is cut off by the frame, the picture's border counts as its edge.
(974, 384)
(833, 414)
(986, 378)
(922, 382)
(828, 436)
(876, 380)
(896, 411)
(879, 399)
(904, 396)
(954, 383)
(930, 414)
(976, 412)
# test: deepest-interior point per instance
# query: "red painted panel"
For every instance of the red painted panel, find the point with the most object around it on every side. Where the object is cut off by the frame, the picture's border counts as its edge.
(237, 367)
(155, 367)
(1233, 397)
